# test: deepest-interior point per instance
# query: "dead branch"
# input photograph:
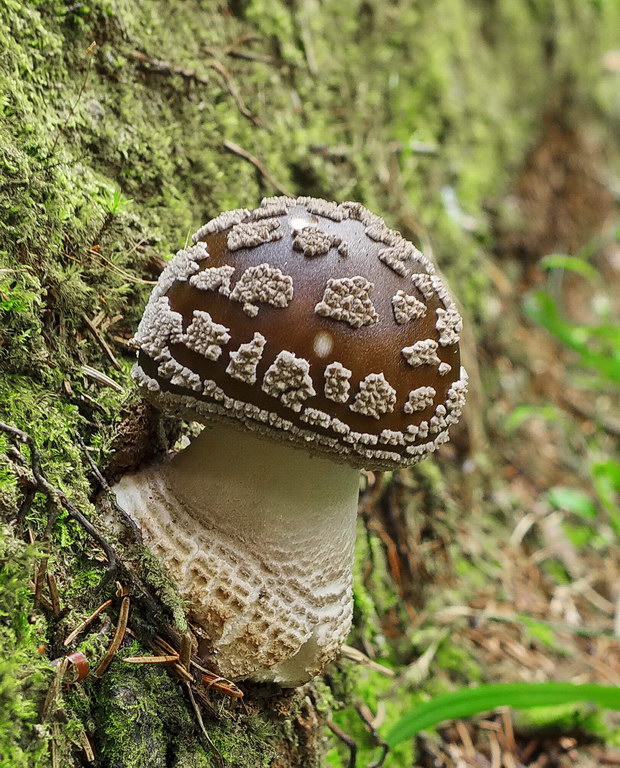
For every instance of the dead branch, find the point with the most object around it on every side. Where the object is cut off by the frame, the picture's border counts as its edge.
(166, 68)
(116, 641)
(102, 342)
(345, 739)
(87, 622)
(55, 495)
(197, 712)
(237, 150)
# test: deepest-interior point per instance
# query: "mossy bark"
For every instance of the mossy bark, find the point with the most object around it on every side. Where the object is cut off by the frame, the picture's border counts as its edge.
(110, 156)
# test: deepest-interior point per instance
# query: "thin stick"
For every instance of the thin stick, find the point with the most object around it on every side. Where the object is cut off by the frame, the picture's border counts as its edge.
(468, 745)
(237, 150)
(151, 659)
(186, 650)
(106, 487)
(39, 579)
(510, 744)
(54, 690)
(116, 268)
(183, 673)
(24, 507)
(54, 596)
(218, 757)
(71, 637)
(102, 342)
(87, 747)
(100, 378)
(346, 739)
(164, 67)
(223, 685)
(53, 745)
(56, 495)
(116, 640)
(170, 649)
(232, 89)
(353, 654)
(89, 52)
(367, 717)
(248, 56)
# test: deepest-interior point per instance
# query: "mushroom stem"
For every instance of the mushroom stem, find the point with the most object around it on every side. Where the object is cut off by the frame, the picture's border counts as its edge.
(259, 537)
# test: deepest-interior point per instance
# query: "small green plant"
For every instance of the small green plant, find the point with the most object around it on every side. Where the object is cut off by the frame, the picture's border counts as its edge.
(472, 701)
(597, 344)
(114, 203)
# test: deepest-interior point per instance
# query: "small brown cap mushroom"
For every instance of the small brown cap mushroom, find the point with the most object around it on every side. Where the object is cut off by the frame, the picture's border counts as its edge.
(309, 322)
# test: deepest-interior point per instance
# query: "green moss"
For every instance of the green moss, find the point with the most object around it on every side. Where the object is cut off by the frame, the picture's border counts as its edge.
(23, 672)
(132, 729)
(162, 585)
(569, 718)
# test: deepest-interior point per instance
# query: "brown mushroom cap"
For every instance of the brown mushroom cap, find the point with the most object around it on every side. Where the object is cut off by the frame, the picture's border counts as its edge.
(310, 322)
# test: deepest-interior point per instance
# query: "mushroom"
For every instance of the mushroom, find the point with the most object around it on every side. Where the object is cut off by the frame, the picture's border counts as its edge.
(312, 341)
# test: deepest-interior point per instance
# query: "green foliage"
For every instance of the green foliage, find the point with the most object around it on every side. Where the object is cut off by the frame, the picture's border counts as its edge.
(472, 701)
(570, 264)
(22, 668)
(597, 345)
(572, 500)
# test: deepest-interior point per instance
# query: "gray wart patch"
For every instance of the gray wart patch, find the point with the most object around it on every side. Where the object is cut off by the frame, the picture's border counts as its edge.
(213, 279)
(254, 233)
(244, 361)
(312, 241)
(205, 336)
(288, 379)
(347, 299)
(263, 284)
(375, 398)
(407, 308)
(423, 352)
(337, 382)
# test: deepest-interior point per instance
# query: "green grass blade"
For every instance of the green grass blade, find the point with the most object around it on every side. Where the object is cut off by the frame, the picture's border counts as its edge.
(471, 701)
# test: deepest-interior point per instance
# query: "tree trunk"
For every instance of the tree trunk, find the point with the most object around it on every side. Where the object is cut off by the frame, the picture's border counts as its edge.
(124, 127)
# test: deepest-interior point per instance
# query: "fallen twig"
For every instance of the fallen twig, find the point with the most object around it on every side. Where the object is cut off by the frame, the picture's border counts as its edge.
(222, 684)
(24, 507)
(53, 590)
(237, 150)
(348, 652)
(166, 68)
(112, 496)
(232, 89)
(55, 495)
(366, 715)
(185, 654)
(81, 627)
(197, 712)
(151, 659)
(102, 342)
(101, 378)
(53, 692)
(119, 634)
(346, 739)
